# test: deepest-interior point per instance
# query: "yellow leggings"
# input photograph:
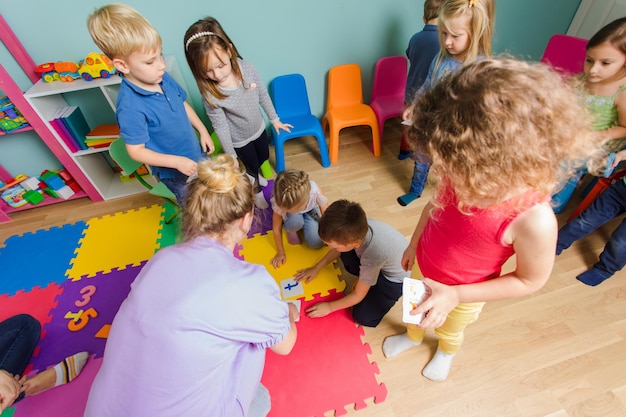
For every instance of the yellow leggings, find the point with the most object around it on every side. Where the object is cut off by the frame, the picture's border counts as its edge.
(451, 332)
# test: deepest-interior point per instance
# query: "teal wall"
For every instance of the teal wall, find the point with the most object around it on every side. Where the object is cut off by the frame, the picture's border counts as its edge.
(278, 36)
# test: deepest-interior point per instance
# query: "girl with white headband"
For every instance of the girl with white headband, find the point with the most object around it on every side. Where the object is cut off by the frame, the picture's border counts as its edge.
(233, 95)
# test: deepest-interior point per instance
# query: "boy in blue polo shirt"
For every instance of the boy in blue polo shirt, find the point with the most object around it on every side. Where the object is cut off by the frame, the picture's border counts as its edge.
(155, 121)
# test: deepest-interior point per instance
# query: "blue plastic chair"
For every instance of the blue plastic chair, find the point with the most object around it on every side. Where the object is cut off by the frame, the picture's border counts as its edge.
(291, 100)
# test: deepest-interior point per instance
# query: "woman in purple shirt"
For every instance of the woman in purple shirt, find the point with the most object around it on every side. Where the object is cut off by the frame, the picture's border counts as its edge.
(191, 337)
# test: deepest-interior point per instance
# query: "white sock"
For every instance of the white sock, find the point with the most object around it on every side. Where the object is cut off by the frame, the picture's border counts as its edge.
(395, 345)
(260, 201)
(262, 181)
(70, 367)
(439, 366)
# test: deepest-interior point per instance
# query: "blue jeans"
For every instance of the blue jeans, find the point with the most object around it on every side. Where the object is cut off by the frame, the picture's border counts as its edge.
(19, 336)
(420, 174)
(607, 206)
(380, 298)
(308, 222)
(178, 186)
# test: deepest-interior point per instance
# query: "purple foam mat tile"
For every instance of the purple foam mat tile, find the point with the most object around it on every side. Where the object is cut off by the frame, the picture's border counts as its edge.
(262, 222)
(84, 309)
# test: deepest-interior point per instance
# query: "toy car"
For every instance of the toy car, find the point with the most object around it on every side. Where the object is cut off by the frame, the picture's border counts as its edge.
(96, 65)
(54, 71)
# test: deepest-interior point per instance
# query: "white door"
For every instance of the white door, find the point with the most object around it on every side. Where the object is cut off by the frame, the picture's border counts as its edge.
(593, 14)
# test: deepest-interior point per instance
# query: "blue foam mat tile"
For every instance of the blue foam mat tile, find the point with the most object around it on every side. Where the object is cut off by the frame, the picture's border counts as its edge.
(38, 259)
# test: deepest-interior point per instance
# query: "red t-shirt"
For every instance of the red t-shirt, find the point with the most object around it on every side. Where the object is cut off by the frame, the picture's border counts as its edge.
(460, 248)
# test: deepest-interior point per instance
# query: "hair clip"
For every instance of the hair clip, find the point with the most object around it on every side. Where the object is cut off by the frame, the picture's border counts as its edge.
(196, 36)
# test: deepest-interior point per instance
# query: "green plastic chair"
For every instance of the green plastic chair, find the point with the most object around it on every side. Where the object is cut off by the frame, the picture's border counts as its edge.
(118, 152)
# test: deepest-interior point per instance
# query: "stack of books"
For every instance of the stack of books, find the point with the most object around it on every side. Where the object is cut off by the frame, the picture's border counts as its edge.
(71, 126)
(102, 135)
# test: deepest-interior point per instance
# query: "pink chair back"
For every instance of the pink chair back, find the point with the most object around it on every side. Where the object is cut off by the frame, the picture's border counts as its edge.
(390, 75)
(566, 54)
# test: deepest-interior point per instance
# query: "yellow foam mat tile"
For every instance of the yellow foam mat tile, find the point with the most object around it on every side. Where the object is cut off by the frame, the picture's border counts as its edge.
(117, 241)
(260, 249)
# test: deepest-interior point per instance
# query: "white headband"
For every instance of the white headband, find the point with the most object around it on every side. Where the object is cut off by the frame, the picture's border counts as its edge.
(196, 36)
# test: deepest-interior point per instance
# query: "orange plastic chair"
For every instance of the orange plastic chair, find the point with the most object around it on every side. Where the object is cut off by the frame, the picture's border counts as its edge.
(387, 99)
(345, 107)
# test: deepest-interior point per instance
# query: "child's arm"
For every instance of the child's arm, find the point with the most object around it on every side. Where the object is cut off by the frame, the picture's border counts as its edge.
(356, 296)
(533, 235)
(146, 156)
(408, 257)
(277, 229)
(266, 104)
(205, 138)
(618, 131)
(309, 273)
(220, 125)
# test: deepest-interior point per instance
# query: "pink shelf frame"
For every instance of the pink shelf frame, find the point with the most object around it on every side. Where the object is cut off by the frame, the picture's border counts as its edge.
(15, 94)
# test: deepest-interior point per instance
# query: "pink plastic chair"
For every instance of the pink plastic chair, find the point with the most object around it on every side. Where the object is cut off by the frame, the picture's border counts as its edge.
(387, 99)
(566, 54)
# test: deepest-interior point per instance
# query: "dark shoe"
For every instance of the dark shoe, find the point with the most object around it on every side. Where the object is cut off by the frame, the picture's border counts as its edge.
(593, 277)
(404, 154)
(405, 200)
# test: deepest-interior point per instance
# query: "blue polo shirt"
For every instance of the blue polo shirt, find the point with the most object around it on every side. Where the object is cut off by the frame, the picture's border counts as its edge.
(157, 120)
(423, 47)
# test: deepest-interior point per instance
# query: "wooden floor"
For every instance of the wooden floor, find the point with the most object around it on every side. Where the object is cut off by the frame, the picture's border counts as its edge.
(560, 352)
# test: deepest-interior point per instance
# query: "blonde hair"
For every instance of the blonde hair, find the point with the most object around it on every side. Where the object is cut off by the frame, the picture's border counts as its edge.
(119, 30)
(220, 195)
(203, 37)
(292, 188)
(480, 16)
(501, 125)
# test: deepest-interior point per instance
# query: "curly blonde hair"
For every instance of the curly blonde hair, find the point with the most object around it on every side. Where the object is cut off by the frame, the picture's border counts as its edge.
(220, 195)
(500, 125)
(292, 188)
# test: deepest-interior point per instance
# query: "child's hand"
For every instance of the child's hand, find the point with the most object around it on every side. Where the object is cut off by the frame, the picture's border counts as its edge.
(407, 114)
(279, 259)
(186, 166)
(619, 157)
(441, 301)
(278, 126)
(9, 389)
(318, 310)
(305, 274)
(408, 258)
(206, 142)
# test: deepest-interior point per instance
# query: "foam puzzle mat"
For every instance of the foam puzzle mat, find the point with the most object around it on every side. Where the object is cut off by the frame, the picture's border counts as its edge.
(74, 278)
